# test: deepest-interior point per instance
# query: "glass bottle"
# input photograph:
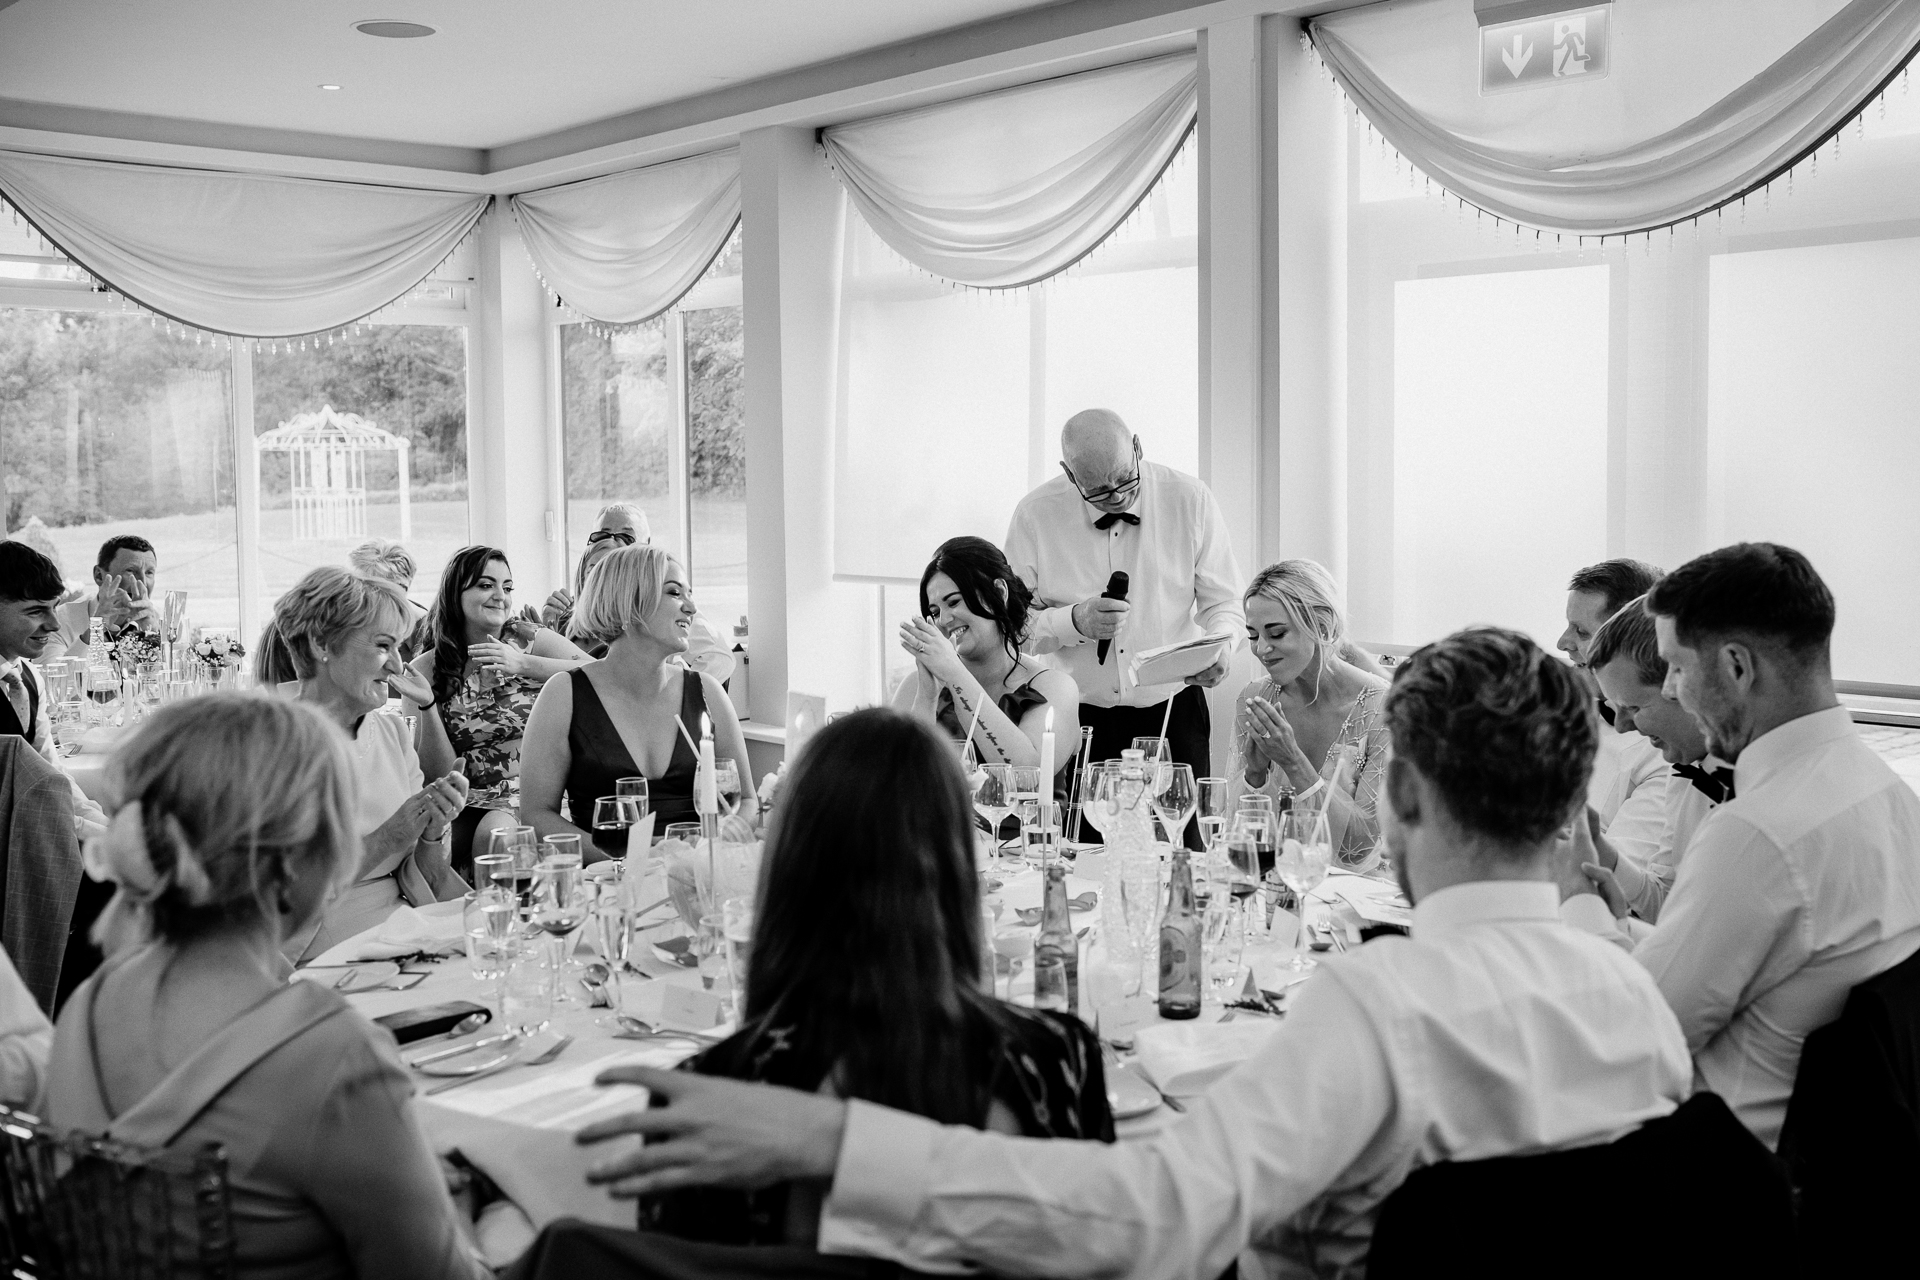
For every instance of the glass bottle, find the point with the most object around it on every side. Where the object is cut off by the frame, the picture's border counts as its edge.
(1055, 940)
(1182, 974)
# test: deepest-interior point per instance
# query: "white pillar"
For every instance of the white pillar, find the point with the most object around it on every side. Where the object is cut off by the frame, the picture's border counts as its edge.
(246, 496)
(1305, 384)
(809, 632)
(512, 484)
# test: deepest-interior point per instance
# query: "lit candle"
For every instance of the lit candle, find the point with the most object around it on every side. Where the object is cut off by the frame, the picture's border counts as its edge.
(1046, 759)
(709, 795)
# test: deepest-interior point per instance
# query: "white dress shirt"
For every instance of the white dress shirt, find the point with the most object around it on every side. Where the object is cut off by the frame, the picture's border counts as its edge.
(1494, 1030)
(1629, 791)
(1647, 884)
(26, 1038)
(88, 818)
(1802, 886)
(1183, 582)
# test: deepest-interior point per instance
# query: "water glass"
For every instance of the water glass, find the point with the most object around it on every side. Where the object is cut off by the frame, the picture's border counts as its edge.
(1153, 750)
(710, 949)
(1023, 781)
(993, 796)
(526, 992)
(687, 833)
(737, 918)
(1225, 940)
(1050, 983)
(522, 844)
(1114, 1014)
(488, 918)
(1040, 837)
(1011, 947)
(1140, 907)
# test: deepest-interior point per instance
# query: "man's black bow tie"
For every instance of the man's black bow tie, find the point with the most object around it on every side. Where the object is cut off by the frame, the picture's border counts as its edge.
(1715, 784)
(1106, 521)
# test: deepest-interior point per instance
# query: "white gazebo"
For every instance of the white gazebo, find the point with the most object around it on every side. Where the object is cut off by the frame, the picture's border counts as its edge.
(328, 469)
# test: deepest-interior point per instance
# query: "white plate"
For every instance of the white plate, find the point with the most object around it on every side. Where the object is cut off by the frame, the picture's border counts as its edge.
(1128, 1094)
(489, 1059)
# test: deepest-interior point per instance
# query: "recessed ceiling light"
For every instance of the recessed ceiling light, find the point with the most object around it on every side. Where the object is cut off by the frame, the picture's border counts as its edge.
(329, 86)
(389, 29)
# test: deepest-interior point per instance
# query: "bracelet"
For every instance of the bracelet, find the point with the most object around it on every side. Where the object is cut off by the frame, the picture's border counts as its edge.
(1318, 783)
(430, 705)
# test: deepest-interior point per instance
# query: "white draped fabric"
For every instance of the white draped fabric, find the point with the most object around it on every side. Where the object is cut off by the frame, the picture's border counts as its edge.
(626, 247)
(1009, 188)
(253, 255)
(1705, 101)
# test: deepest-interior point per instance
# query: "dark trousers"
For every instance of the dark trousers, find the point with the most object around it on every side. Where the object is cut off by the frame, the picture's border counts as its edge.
(1189, 734)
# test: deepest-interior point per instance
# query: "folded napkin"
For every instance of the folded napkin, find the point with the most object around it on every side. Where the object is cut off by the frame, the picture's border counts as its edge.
(736, 865)
(1374, 901)
(1183, 1058)
(432, 930)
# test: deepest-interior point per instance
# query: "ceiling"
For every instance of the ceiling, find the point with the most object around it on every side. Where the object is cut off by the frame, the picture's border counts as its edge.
(496, 72)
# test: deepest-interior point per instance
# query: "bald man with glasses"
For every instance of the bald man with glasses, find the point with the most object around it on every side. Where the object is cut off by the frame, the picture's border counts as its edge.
(1112, 511)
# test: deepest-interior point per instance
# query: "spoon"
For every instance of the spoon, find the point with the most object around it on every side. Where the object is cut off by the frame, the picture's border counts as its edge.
(472, 1022)
(595, 981)
(634, 1028)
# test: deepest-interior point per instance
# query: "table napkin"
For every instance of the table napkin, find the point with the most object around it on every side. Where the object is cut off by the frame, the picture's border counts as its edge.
(1183, 1058)
(435, 929)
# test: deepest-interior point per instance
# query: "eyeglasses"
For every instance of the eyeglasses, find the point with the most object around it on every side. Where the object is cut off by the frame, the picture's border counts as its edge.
(1122, 490)
(601, 535)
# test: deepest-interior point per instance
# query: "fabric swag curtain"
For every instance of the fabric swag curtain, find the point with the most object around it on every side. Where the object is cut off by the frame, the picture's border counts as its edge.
(1008, 188)
(252, 255)
(626, 247)
(1704, 102)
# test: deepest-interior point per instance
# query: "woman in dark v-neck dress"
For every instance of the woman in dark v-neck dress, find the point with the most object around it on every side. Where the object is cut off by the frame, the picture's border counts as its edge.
(615, 718)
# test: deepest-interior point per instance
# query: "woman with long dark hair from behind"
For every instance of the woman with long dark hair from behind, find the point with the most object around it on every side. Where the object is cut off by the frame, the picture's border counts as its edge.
(485, 668)
(865, 974)
(966, 652)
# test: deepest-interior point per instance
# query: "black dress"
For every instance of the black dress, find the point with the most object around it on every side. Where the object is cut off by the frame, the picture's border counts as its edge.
(1043, 1066)
(1015, 704)
(599, 758)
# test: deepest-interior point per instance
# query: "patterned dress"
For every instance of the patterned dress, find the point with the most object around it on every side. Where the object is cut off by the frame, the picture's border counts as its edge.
(485, 726)
(1363, 735)
(1044, 1067)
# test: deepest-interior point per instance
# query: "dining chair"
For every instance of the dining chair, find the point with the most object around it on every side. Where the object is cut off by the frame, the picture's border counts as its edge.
(1852, 1134)
(1724, 1208)
(75, 1207)
(39, 867)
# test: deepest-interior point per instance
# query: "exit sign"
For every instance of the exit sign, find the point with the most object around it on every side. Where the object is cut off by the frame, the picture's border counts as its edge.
(1562, 48)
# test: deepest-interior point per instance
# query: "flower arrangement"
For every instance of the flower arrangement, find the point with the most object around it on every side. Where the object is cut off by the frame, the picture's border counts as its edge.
(132, 647)
(217, 652)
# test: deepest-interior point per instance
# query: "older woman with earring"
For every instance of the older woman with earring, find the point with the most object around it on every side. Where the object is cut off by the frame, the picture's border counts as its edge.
(343, 634)
(236, 821)
(615, 717)
(1313, 727)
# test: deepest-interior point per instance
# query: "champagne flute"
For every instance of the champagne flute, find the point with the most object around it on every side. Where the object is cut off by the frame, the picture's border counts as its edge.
(1305, 852)
(1210, 806)
(1173, 799)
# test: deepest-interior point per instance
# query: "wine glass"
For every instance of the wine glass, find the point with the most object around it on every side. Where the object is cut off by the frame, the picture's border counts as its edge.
(559, 908)
(1305, 851)
(634, 789)
(1173, 799)
(1140, 906)
(522, 845)
(611, 924)
(993, 796)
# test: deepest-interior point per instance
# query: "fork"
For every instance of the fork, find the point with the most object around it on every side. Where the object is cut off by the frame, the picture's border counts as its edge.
(546, 1055)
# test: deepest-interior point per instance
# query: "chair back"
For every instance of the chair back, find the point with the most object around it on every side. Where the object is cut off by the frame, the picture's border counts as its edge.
(74, 1207)
(39, 866)
(1529, 1216)
(1852, 1134)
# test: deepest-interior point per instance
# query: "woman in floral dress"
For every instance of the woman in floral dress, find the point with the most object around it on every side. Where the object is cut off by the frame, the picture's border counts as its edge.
(485, 669)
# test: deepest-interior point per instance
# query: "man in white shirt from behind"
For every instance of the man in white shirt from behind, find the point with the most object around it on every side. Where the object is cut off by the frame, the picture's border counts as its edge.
(1807, 882)
(1628, 790)
(1493, 1030)
(1625, 661)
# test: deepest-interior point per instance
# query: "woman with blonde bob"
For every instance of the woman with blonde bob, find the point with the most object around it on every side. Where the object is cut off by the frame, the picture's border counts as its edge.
(615, 717)
(1313, 728)
(235, 822)
(343, 634)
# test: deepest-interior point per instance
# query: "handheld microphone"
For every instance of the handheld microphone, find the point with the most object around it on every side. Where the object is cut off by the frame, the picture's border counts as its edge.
(1116, 590)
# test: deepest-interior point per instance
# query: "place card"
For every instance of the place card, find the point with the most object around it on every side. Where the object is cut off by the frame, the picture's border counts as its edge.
(689, 1008)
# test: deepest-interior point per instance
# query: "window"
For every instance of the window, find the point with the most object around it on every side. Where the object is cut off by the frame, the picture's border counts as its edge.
(408, 381)
(1811, 393)
(654, 415)
(1499, 419)
(950, 403)
(109, 426)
